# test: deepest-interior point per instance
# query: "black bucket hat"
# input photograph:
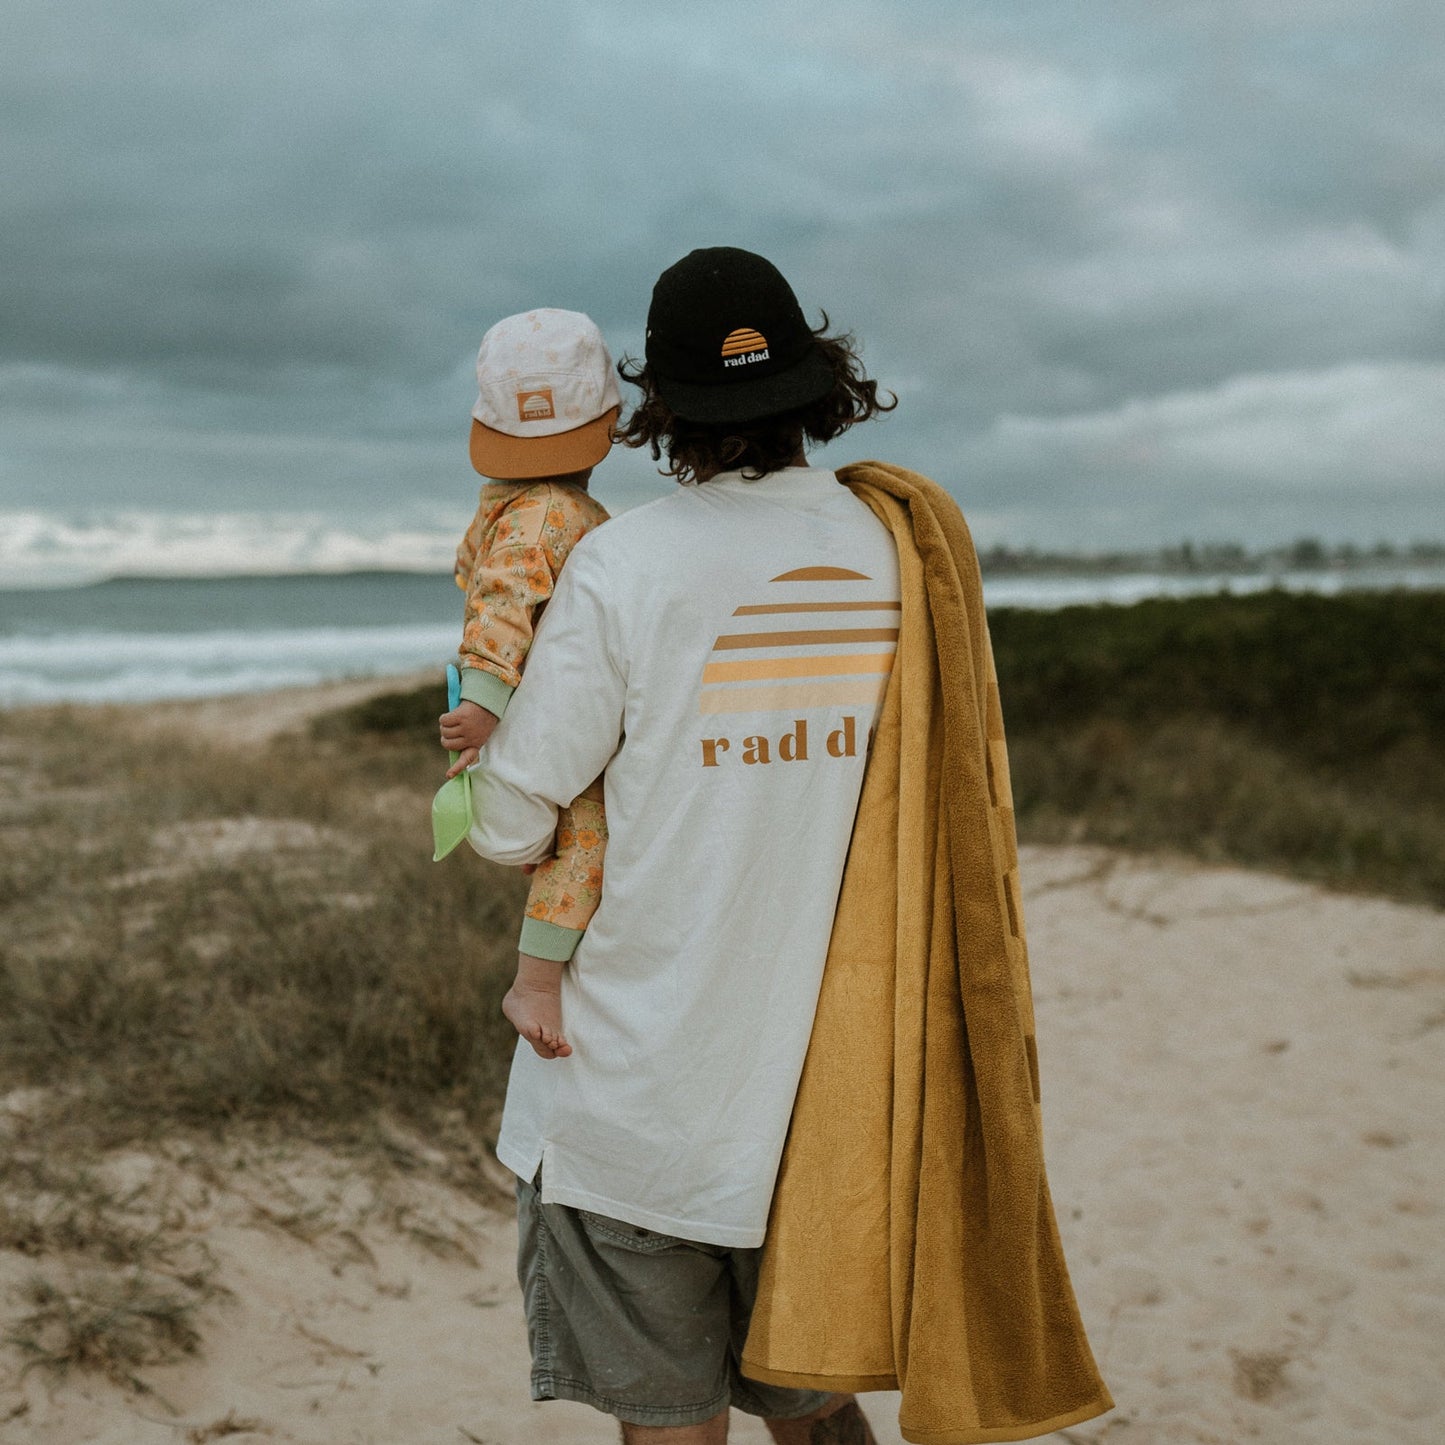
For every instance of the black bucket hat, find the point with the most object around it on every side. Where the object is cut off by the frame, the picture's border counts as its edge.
(727, 341)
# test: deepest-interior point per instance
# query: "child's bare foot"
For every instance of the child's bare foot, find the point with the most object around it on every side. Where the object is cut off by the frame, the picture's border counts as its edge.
(533, 1006)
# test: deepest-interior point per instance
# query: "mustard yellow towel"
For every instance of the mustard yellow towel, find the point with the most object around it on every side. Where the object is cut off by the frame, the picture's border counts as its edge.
(912, 1242)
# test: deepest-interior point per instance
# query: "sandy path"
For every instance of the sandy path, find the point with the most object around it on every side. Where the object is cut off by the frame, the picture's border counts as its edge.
(256, 717)
(1245, 1111)
(1243, 1097)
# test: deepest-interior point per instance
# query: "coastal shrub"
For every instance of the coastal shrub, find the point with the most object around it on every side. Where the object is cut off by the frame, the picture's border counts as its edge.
(411, 713)
(1290, 731)
(1346, 683)
(1213, 790)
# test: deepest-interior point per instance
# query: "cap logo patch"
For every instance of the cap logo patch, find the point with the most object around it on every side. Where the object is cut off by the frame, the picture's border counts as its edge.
(536, 405)
(744, 345)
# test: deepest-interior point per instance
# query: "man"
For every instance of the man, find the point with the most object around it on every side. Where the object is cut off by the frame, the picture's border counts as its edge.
(721, 655)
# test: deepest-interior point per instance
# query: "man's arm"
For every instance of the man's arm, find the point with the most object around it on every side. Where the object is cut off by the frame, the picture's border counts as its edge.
(563, 724)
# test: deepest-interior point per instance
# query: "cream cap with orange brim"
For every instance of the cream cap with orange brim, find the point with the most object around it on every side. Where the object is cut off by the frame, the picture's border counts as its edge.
(547, 396)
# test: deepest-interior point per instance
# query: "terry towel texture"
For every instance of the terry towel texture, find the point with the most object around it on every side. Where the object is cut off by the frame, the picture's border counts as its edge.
(912, 1243)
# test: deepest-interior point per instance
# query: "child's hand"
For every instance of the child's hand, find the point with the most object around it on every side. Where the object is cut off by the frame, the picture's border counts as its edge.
(465, 759)
(466, 728)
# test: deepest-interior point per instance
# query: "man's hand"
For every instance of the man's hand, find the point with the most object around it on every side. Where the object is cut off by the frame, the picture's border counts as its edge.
(465, 729)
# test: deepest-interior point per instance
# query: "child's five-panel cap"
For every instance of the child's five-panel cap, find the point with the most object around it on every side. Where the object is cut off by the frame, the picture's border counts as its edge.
(547, 396)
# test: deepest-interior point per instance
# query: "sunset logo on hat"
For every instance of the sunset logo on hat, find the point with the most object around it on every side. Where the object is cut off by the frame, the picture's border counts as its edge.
(535, 405)
(744, 345)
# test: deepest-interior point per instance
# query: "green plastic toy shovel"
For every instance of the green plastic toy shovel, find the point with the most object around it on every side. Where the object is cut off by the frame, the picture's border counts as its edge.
(451, 809)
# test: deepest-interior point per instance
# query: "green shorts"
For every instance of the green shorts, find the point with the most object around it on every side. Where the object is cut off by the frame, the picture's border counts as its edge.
(644, 1326)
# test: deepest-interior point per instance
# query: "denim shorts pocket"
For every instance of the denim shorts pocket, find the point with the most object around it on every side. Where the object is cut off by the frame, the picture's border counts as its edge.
(622, 1235)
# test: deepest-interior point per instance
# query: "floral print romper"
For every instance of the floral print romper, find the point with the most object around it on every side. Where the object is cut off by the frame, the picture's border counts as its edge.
(507, 564)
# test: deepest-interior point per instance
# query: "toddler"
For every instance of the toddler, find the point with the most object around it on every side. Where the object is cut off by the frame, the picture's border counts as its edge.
(547, 401)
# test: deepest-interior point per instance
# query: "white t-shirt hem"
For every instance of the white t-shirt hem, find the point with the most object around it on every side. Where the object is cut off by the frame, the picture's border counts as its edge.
(525, 1163)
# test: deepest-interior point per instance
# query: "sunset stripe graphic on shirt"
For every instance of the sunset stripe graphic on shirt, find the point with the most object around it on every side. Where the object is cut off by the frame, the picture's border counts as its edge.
(793, 666)
(821, 574)
(763, 607)
(797, 698)
(831, 635)
(754, 670)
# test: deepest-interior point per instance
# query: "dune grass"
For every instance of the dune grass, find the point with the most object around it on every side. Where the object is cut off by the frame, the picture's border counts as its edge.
(111, 1323)
(196, 936)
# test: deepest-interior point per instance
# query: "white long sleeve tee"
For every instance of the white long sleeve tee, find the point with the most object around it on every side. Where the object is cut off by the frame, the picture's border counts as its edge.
(721, 654)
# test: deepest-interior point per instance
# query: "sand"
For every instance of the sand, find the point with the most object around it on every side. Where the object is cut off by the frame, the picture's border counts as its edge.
(1243, 1101)
(256, 717)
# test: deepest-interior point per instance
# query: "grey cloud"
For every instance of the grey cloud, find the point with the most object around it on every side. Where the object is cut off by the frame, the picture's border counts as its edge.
(259, 244)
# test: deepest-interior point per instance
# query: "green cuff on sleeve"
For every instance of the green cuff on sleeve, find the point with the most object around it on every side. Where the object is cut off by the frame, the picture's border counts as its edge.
(486, 689)
(549, 940)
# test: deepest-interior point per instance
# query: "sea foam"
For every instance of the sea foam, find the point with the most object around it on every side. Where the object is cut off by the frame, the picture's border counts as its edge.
(49, 549)
(144, 667)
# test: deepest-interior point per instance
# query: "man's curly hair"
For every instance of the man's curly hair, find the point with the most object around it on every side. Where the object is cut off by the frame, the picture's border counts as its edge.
(697, 450)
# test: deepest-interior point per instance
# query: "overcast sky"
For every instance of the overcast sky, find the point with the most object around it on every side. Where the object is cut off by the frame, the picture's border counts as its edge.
(1137, 271)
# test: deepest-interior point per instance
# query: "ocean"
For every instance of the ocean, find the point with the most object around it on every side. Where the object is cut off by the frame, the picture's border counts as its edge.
(141, 639)
(144, 639)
